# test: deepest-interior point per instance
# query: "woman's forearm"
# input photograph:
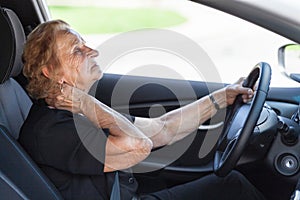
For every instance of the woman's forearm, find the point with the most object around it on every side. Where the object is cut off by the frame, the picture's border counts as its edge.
(179, 123)
(126, 145)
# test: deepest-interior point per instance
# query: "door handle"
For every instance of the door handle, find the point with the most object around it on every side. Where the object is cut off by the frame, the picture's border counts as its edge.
(210, 127)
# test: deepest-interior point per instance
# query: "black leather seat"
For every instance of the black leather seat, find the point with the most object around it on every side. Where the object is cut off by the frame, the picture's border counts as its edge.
(20, 177)
(8, 190)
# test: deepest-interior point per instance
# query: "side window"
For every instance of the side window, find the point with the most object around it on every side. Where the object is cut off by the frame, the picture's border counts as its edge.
(164, 39)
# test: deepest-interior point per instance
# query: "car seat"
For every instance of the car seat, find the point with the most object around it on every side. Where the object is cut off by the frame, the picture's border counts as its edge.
(20, 177)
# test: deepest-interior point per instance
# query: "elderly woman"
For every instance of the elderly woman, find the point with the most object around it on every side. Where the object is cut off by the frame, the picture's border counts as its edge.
(61, 70)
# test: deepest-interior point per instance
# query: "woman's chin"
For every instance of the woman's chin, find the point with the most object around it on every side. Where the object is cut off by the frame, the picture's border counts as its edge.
(97, 72)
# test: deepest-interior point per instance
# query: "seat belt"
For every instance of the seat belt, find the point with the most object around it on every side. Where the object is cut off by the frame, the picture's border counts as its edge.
(115, 192)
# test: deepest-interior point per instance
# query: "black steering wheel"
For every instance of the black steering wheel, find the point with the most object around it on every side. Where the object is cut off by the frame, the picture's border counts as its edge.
(241, 120)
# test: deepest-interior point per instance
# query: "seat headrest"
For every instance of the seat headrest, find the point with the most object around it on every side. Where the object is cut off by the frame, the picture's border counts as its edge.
(12, 40)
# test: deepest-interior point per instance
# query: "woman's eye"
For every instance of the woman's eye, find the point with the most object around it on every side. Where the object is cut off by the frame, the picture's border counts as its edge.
(77, 51)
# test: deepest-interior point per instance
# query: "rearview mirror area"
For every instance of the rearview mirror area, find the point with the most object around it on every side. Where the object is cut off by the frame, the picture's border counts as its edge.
(289, 61)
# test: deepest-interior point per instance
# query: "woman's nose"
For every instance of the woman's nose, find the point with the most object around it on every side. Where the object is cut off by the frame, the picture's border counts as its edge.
(92, 52)
(95, 53)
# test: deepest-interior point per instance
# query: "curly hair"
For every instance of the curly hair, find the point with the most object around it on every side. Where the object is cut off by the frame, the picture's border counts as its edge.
(40, 51)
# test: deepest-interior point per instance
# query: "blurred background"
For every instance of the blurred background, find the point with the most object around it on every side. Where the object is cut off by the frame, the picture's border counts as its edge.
(235, 46)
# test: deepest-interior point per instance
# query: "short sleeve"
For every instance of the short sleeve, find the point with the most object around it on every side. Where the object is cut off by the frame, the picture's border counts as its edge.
(73, 144)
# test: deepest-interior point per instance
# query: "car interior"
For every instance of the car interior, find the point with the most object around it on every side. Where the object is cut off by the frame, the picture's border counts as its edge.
(21, 178)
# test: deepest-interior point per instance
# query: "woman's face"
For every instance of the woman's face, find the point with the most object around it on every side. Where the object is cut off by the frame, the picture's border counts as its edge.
(78, 61)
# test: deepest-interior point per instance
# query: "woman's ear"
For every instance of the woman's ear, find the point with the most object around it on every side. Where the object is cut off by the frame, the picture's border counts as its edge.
(46, 72)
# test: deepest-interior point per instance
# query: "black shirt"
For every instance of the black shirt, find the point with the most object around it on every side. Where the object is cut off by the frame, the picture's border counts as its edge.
(71, 150)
